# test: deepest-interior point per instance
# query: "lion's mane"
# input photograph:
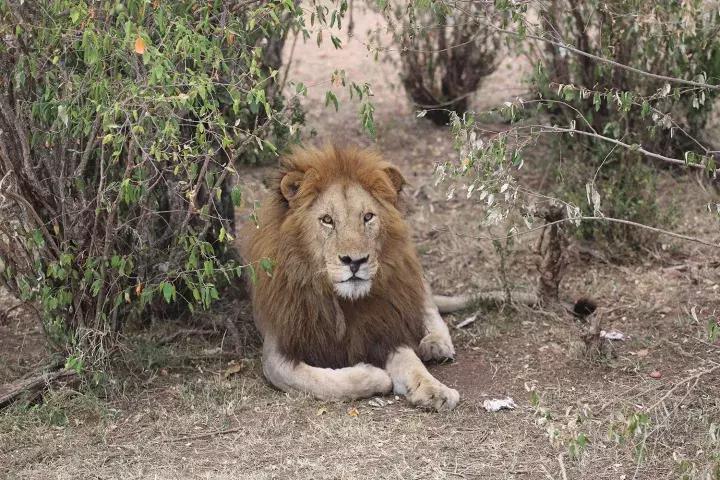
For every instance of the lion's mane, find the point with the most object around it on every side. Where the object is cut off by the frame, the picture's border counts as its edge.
(296, 303)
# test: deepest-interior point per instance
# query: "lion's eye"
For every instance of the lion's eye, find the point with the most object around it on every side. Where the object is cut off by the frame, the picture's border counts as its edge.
(326, 220)
(368, 216)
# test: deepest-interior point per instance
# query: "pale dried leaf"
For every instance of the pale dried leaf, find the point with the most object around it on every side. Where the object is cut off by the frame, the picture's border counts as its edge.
(498, 404)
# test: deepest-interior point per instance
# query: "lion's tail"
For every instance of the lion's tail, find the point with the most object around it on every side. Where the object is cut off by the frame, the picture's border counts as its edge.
(449, 304)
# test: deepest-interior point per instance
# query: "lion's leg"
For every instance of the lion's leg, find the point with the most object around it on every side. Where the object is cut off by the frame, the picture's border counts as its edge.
(436, 344)
(411, 378)
(359, 381)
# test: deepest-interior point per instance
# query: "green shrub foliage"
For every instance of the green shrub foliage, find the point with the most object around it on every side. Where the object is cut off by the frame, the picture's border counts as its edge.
(121, 123)
(670, 38)
(622, 87)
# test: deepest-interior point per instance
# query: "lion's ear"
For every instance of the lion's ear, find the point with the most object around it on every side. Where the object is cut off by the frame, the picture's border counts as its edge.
(290, 184)
(396, 178)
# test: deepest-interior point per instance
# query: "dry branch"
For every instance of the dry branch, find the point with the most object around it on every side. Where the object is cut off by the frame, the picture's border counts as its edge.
(31, 388)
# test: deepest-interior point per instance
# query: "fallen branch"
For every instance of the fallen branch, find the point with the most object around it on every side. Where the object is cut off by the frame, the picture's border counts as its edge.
(5, 314)
(201, 436)
(31, 388)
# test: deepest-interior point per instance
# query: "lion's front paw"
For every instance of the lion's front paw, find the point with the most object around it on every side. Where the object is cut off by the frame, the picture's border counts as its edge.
(368, 380)
(434, 395)
(436, 346)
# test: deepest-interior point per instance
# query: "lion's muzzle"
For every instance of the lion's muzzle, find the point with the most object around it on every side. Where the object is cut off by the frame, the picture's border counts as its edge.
(353, 277)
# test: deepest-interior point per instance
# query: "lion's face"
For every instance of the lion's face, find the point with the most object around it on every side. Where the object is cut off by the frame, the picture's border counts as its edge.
(341, 207)
(344, 229)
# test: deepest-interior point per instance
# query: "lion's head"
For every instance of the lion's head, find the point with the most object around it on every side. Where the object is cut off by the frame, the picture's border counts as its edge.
(343, 204)
(347, 285)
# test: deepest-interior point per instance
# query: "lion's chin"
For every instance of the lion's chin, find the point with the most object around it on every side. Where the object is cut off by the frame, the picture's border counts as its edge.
(353, 289)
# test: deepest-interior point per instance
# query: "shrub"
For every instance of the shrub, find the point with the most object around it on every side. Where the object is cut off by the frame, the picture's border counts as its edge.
(121, 124)
(674, 39)
(618, 83)
(444, 54)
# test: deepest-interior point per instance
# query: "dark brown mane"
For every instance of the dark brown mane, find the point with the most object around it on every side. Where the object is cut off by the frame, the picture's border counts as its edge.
(297, 305)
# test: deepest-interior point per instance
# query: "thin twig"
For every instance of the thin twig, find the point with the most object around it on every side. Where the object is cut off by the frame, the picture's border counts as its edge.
(695, 376)
(562, 466)
(206, 435)
(288, 64)
(38, 221)
(577, 51)
(638, 148)
(606, 219)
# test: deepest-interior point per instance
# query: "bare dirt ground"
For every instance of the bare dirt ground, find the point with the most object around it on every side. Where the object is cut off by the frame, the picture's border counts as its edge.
(181, 410)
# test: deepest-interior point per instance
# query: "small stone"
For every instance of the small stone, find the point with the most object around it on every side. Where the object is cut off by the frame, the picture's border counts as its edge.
(655, 374)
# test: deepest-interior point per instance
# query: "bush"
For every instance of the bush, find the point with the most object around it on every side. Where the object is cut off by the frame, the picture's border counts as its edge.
(618, 83)
(444, 54)
(121, 124)
(629, 188)
(674, 39)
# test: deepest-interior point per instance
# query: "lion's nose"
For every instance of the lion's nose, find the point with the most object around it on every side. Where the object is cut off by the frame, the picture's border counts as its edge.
(353, 263)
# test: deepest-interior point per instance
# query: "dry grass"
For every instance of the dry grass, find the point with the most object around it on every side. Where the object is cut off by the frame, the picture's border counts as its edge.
(171, 415)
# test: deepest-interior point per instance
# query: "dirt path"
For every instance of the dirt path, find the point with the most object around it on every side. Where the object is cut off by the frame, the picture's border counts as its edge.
(180, 417)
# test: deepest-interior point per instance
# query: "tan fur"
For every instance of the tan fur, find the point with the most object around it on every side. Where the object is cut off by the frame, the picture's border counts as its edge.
(297, 304)
(411, 378)
(322, 332)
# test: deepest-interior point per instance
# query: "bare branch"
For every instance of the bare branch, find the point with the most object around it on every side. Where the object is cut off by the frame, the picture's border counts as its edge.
(91, 144)
(600, 219)
(577, 51)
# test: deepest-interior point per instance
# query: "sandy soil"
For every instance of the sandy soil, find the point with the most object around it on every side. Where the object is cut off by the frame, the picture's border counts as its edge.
(177, 413)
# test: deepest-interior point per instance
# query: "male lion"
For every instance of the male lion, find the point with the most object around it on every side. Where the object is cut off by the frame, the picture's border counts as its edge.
(346, 311)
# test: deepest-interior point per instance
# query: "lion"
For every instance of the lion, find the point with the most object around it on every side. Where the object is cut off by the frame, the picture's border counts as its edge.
(345, 312)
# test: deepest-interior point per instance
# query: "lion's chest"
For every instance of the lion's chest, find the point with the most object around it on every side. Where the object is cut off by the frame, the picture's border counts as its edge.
(371, 329)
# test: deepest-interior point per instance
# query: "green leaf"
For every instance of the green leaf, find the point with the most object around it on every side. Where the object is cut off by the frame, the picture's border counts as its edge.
(96, 286)
(645, 111)
(168, 291)
(253, 274)
(75, 15)
(367, 118)
(74, 363)
(38, 238)
(331, 98)
(267, 265)
(337, 43)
